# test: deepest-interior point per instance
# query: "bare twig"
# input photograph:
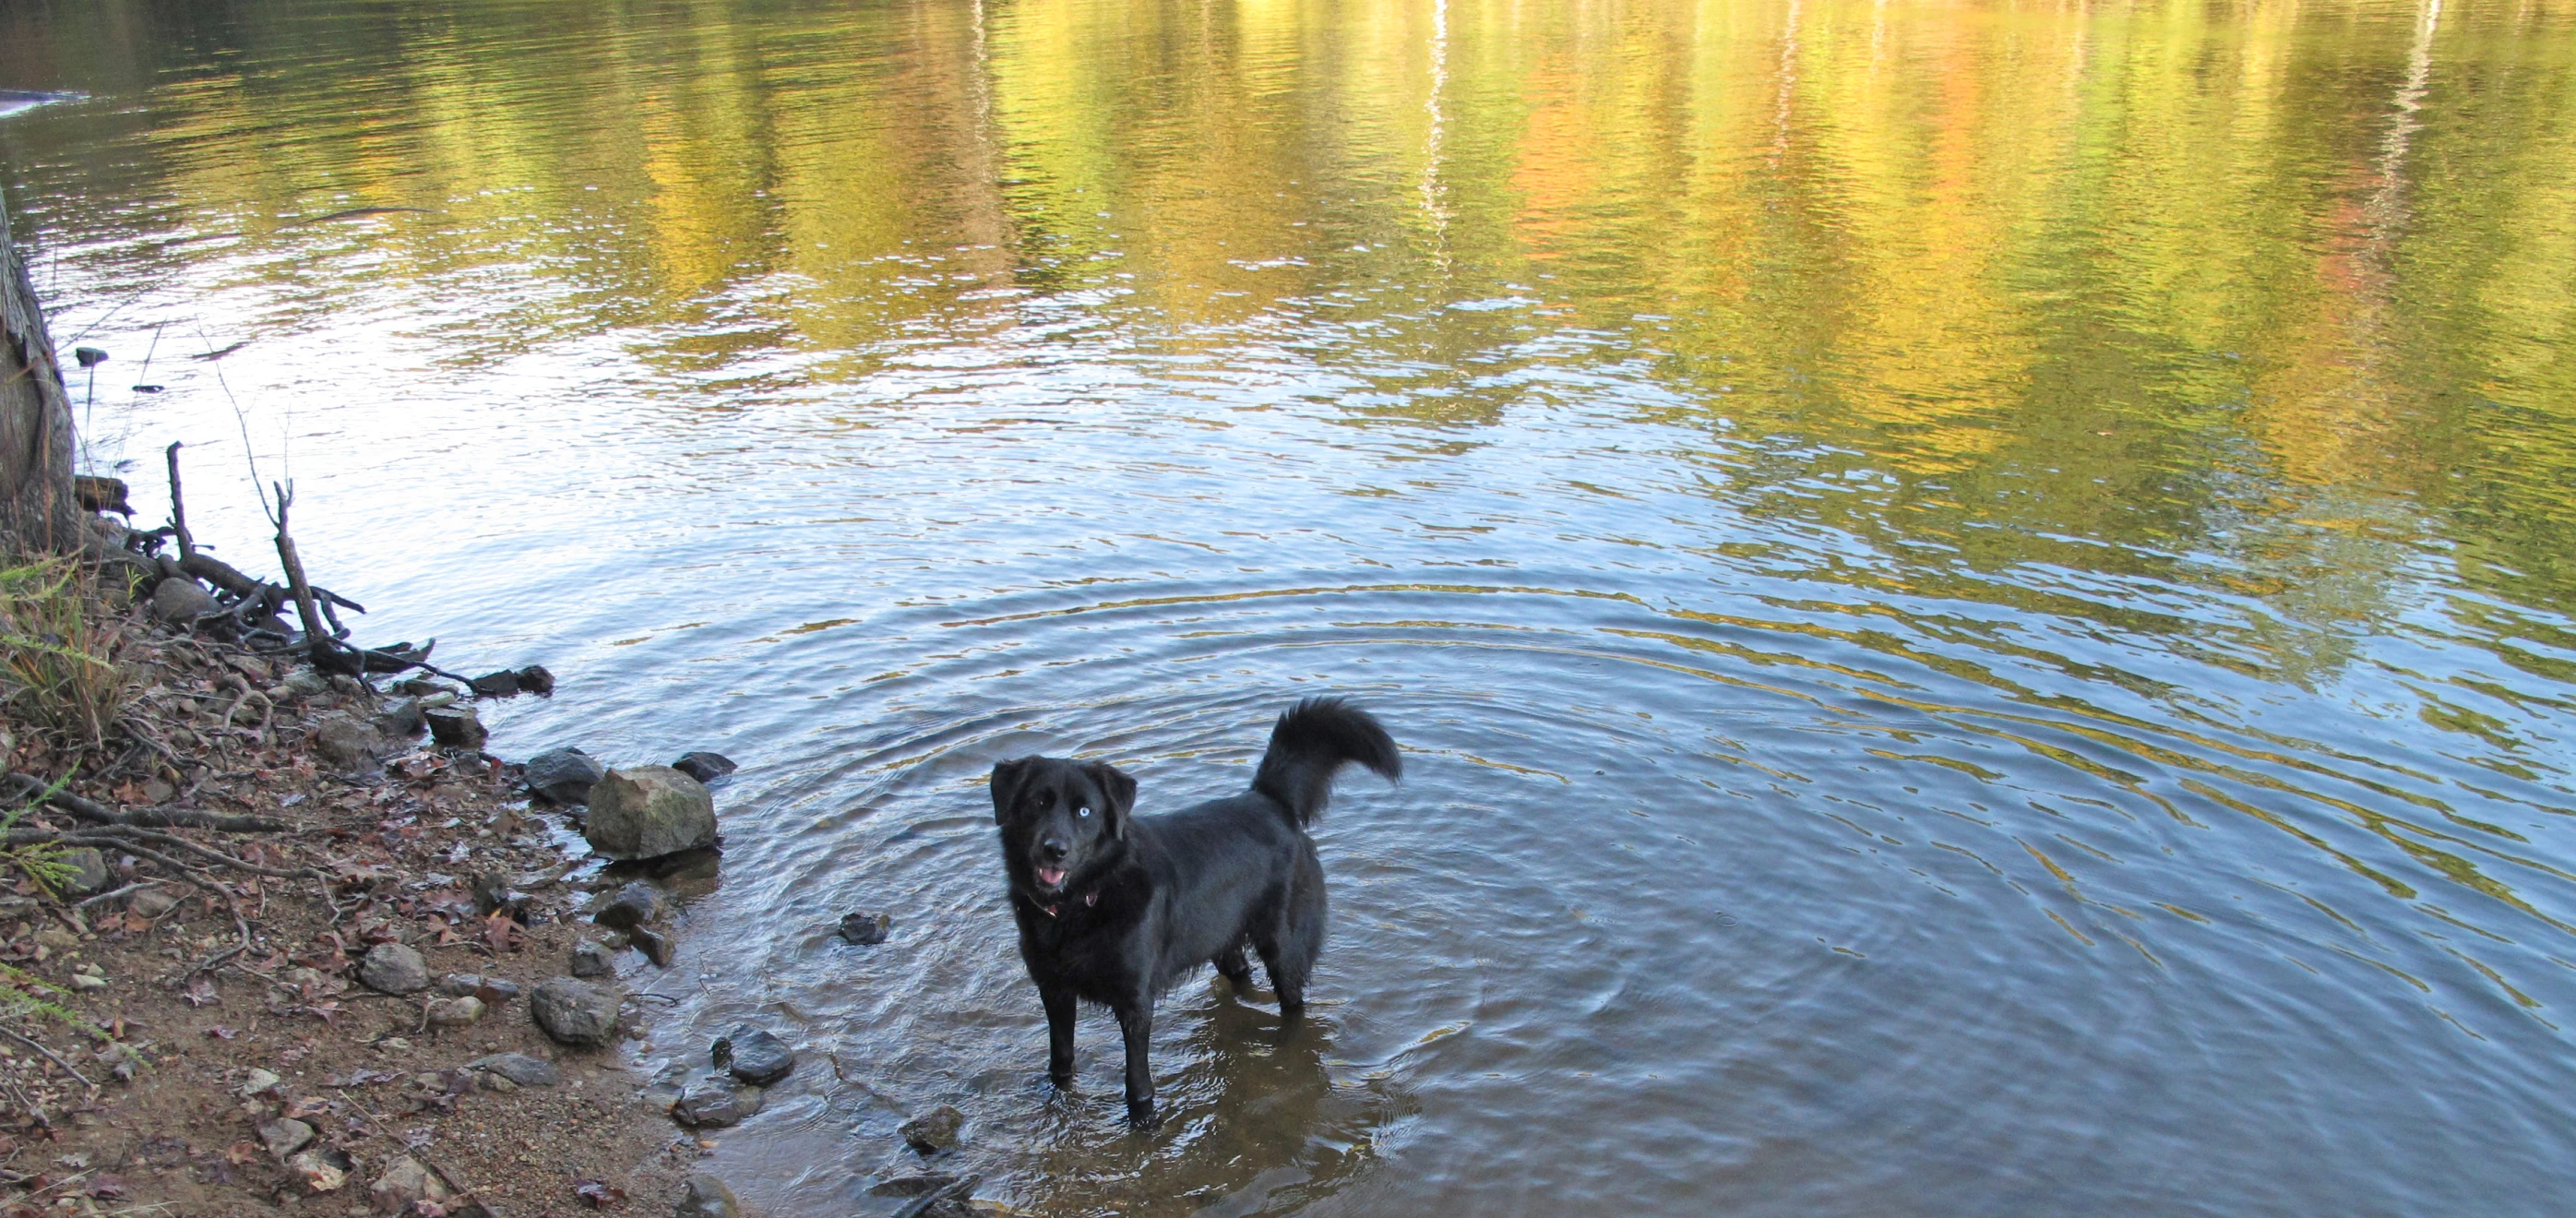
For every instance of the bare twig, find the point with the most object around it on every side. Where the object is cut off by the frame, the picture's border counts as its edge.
(178, 505)
(49, 1056)
(19, 786)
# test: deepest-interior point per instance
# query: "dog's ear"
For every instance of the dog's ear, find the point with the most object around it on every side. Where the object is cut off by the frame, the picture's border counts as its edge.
(1121, 791)
(1008, 777)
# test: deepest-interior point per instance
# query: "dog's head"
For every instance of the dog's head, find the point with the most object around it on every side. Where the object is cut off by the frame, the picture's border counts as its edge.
(1060, 819)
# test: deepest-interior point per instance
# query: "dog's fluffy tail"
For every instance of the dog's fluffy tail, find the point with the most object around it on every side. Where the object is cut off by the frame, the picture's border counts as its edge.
(1312, 741)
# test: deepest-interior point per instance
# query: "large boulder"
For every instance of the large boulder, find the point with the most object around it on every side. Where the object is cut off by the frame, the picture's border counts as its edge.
(564, 775)
(575, 1012)
(648, 812)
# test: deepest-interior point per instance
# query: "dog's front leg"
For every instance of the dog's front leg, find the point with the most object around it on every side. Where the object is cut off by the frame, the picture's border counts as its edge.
(1136, 1023)
(1060, 1008)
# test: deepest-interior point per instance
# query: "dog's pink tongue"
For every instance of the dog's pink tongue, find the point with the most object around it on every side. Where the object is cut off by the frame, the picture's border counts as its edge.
(1050, 876)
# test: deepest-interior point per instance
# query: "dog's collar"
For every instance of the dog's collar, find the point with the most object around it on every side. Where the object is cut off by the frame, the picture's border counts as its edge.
(1089, 898)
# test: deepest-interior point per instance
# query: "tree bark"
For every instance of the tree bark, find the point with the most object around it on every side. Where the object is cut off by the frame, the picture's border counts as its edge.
(38, 510)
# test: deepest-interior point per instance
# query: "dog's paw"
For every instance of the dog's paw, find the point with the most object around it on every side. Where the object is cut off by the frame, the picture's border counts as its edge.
(1141, 1114)
(1063, 1079)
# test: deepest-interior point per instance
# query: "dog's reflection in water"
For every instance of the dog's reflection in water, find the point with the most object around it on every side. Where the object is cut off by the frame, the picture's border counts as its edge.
(1262, 1118)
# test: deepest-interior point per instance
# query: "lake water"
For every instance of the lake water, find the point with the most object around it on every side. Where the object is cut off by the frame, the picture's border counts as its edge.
(1977, 595)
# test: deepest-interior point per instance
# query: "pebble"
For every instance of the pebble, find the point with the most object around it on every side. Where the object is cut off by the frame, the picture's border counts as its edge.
(89, 873)
(255, 1082)
(285, 1136)
(634, 905)
(86, 983)
(458, 985)
(590, 959)
(574, 1012)
(716, 1101)
(519, 1068)
(404, 1183)
(393, 968)
(866, 928)
(151, 902)
(454, 1012)
(754, 1056)
(707, 1197)
(934, 1131)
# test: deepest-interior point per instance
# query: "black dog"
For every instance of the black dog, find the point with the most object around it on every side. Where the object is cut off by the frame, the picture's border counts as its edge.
(1116, 909)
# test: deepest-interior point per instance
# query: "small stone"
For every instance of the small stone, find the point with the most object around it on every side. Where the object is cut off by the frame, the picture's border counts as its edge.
(86, 983)
(655, 945)
(563, 775)
(459, 985)
(401, 718)
(634, 905)
(590, 959)
(346, 743)
(306, 683)
(456, 727)
(58, 938)
(575, 1012)
(707, 1197)
(705, 767)
(496, 990)
(935, 1130)
(716, 1101)
(495, 685)
(255, 1081)
(285, 1136)
(151, 902)
(89, 873)
(454, 1012)
(393, 968)
(323, 1169)
(754, 1056)
(405, 1181)
(176, 602)
(519, 1068)
(648, 812)
(866, 928)
(536, 680)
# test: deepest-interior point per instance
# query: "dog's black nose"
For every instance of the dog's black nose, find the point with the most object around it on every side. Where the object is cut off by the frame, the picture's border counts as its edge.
(1055, 848)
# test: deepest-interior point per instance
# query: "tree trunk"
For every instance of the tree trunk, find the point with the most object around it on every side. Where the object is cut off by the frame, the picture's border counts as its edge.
(38, 510)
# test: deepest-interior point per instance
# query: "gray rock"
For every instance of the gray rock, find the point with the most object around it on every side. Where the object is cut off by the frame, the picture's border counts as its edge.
(456, 727)
(405, 1181)
(716, 1101)
(89, 876)
(913, 1186)
(458, 985)
(177, 601)
(648, 812)
(496, 685)
(705, 767)
(707, 1197)
(285, 1136)
(151, 902)
(655, 945)
(536, 680)
(306, 683)
(935, 1130)
(392, 968)
(401, 719)
(453, 1012)
(590, 959)
(519, 1068)
(347, 743)
(496, 990)
(575, 1012)
(754, 1056)
(563, 775)
(323, 1169)
(635, 904)
(866, 928)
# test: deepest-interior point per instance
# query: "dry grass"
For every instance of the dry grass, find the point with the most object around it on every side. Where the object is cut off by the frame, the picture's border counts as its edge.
(58, 669)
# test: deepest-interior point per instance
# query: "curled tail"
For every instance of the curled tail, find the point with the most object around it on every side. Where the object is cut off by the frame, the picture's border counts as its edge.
(1310, 742)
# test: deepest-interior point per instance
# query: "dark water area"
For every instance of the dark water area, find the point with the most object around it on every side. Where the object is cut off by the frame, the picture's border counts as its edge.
(1977, 596)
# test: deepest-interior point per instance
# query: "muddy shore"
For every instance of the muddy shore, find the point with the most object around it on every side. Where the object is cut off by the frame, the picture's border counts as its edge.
(338, 1023)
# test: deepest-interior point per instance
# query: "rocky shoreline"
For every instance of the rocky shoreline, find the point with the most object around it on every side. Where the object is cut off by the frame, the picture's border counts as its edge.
(295, 943)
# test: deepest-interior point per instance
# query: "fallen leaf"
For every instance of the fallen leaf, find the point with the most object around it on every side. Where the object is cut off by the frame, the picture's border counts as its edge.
(503, 934)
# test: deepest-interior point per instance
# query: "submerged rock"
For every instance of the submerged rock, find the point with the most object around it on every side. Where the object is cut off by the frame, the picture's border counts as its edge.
(716, 1101)
(866, 928)
(935, 1130)
(754, 1056)
(705, 1196)
(495, 684)
(705, 767)
(536, 680)
(564, 775)
(648, 812)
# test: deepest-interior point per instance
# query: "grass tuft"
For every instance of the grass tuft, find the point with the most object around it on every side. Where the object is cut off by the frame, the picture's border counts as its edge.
(58, 668)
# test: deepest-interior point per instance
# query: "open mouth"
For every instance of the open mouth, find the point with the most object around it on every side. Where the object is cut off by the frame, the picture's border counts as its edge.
(1052, 877)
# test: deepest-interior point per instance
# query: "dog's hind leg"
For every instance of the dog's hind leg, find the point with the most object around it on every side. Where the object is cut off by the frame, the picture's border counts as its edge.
(1231, 965)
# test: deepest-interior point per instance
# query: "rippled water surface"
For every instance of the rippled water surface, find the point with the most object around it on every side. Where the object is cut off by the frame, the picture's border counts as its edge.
(1977, 595)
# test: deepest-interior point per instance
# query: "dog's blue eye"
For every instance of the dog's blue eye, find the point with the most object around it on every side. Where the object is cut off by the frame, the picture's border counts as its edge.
(1082, 811)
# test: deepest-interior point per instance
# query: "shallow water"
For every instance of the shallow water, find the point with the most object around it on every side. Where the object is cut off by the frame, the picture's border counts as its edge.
(1977, 597)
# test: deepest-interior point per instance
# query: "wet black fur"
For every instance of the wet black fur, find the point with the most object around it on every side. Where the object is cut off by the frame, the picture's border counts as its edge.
(1145, 900)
